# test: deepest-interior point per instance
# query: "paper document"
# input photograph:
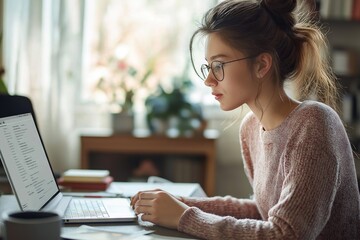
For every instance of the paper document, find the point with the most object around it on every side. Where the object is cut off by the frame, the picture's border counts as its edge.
(85, 232)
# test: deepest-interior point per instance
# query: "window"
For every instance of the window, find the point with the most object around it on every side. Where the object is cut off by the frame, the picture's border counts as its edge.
(127, 41)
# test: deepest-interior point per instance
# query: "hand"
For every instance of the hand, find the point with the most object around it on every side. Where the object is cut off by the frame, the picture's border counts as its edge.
(135, 198)
(159, 207)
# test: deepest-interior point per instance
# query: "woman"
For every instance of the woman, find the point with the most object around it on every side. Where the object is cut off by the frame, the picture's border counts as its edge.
(296, 153)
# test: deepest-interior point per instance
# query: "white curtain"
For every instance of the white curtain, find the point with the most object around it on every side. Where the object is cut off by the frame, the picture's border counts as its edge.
(42, 59)
(43, 50)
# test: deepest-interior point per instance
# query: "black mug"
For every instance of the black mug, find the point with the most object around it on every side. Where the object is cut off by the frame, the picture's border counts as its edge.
(31, 225)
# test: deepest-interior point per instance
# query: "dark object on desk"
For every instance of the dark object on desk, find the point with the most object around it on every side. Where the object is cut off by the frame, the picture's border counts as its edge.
(32, 225)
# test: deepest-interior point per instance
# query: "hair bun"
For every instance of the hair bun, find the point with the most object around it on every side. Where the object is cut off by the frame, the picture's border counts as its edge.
(281, 11)
(279, 6)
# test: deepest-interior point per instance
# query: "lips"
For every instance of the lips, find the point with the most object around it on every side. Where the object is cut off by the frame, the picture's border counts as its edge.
(217, 95)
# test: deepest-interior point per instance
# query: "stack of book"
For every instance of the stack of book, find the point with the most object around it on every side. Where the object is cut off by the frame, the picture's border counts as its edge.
(86, 180)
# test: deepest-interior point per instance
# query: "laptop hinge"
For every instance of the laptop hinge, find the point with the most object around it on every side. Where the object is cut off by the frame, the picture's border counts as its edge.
(58, 204)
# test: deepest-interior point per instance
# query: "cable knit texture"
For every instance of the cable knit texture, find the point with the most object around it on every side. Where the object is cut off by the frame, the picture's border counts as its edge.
(304, 182)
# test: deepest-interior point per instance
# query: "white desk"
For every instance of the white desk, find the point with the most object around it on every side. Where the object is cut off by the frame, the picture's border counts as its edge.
(8, 202)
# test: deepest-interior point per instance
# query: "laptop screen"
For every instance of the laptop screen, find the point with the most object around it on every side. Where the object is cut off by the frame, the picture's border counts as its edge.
(26, 163)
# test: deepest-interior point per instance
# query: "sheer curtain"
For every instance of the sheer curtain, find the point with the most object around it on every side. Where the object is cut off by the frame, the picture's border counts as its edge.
(42, 59)
(44, 50)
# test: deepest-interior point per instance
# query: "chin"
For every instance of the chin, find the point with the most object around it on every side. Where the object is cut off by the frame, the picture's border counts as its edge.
(229, 107)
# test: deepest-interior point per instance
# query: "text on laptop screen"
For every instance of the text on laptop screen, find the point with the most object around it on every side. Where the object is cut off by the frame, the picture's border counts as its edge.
(25, 161)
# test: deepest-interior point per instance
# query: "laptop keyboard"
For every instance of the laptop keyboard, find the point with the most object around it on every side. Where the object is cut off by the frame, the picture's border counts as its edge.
(86, 208)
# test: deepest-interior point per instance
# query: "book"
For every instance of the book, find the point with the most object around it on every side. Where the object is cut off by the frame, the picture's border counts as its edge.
(94, 186)
(85, 175)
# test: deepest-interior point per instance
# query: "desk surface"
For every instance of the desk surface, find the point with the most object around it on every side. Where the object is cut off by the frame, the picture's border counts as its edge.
(129, 189)
(8, 202)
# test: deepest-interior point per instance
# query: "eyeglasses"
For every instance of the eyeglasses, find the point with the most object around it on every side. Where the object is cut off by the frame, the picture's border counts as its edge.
(217, 68)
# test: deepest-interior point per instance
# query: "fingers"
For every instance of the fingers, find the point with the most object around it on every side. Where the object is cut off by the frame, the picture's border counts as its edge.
(133, 200)
(145, 210)
(144, 202)
(147, 217)
(147, 202)
(144, 205)
(158, 207)
(136, 197)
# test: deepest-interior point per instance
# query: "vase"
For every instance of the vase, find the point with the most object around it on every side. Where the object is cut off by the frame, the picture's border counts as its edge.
(158, 126)
(122, 122)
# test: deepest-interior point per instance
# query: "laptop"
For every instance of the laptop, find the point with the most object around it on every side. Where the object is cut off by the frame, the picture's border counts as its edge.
(31, 177)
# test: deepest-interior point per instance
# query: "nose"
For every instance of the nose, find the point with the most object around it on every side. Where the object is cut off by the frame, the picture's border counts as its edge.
(210, 81)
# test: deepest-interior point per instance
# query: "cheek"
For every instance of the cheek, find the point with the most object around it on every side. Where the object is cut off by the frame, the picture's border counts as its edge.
(244, 85)
(237, 91)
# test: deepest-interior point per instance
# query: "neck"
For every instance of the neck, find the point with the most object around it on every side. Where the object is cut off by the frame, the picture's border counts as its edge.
(273, 112)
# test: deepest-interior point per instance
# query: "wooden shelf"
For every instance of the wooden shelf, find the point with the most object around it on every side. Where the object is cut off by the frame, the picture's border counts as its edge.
(154, 145)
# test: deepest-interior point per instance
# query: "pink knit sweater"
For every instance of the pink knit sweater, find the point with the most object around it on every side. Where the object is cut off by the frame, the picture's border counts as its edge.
(304, 182)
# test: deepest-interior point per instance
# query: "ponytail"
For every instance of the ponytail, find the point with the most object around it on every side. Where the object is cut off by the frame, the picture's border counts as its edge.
(313, 76)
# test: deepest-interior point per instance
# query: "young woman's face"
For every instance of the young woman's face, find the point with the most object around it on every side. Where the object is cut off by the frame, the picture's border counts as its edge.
(238, 86)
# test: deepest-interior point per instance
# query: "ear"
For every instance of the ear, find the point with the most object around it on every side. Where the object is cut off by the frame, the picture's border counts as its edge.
(263, 65)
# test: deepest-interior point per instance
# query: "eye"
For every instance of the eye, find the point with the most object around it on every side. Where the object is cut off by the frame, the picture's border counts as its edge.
(216, 67)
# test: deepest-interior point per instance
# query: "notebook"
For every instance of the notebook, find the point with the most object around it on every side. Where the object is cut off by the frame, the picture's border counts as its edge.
(31, 177)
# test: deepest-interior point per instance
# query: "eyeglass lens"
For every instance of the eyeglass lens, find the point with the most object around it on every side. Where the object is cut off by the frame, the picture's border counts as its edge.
(216, 68)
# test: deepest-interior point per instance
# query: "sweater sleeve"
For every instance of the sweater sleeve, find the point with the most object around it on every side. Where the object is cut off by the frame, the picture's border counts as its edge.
(210, 226)
(225, 206)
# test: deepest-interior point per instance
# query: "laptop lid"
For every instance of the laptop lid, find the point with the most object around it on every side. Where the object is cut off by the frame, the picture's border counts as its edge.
(26, 162)
(32, 179)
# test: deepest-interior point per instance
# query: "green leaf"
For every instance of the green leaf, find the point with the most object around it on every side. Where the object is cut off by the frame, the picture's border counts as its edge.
(3, 88)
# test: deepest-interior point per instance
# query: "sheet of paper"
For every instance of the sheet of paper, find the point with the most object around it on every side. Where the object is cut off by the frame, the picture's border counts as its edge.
(85, 232)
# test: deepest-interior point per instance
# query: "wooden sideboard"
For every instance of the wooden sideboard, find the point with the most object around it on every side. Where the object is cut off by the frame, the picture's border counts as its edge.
(154, 145)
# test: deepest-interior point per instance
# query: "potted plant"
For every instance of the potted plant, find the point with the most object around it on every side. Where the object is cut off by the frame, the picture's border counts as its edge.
(119, 87)
(171, 113)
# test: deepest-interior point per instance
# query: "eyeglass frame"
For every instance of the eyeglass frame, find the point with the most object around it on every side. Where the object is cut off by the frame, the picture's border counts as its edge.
(221, 65)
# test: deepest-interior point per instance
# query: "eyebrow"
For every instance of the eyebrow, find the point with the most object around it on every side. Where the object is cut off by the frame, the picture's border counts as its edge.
(216, 56)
